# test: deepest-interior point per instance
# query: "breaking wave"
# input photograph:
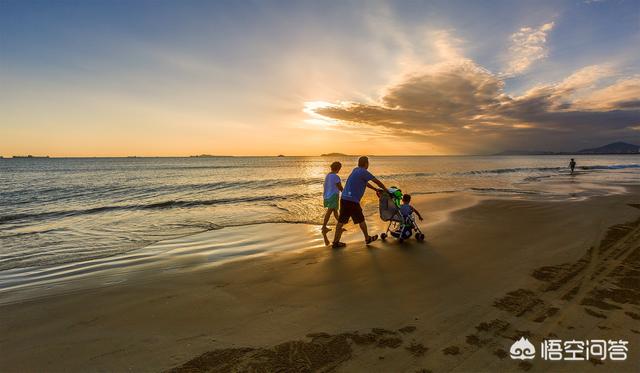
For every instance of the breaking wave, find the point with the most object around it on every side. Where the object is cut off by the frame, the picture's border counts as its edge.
(151, 206)
(544, 169)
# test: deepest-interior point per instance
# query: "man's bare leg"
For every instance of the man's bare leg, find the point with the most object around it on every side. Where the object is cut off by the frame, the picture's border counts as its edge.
(335, 214)
(338, 233)
(363, 227)
(367, 238)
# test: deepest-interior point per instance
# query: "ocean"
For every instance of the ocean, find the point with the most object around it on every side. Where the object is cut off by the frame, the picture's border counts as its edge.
(58, 211)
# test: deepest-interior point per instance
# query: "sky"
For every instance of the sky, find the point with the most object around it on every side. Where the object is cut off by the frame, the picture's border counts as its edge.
(176, 78)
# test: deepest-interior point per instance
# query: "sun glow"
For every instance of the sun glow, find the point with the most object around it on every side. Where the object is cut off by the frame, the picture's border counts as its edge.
(316, 119)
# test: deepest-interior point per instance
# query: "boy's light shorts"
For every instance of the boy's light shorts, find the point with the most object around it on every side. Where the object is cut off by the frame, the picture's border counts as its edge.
(331, 202)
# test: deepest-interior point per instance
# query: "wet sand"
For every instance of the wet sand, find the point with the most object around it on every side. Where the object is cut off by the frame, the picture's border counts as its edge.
(489, 272)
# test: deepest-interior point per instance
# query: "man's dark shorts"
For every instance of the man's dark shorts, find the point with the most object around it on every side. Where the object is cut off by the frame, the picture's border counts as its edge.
(350, 210)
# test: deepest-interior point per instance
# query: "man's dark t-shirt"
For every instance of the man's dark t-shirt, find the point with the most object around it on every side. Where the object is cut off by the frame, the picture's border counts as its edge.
(356, 184)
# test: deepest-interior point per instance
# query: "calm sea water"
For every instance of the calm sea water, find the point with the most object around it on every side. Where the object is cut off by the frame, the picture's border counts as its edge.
(55, 211)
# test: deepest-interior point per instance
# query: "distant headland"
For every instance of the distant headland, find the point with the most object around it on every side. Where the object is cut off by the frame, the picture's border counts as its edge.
(30, 156)
(336, 155)
(613, 148)
(210, 156)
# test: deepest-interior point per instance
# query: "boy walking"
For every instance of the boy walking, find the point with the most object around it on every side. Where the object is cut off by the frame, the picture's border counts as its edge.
(332, 189)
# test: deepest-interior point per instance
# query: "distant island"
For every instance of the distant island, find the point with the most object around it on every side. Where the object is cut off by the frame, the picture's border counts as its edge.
(613, 148)
(210, 156)
(336, 155)
(30, 156)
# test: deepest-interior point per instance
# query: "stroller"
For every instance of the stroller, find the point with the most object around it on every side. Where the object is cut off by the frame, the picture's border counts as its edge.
(399, 227)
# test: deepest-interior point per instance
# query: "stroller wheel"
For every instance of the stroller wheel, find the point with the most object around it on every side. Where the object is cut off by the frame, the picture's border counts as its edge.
(420, 237)
(383, 236)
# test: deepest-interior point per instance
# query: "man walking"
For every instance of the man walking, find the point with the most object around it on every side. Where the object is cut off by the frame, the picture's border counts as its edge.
(350, 202)
(572, 165)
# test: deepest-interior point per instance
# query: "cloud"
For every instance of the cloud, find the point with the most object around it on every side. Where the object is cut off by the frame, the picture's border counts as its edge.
(439, 96)
(464, 108)
(624, 93)
(528, 45)
(446, 46)
(560, 96)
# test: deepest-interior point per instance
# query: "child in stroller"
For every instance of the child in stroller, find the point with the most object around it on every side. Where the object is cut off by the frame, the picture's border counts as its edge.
(399, 215)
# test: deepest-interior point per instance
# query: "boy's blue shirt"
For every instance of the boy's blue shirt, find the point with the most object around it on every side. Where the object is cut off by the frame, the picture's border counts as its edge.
(406, 210)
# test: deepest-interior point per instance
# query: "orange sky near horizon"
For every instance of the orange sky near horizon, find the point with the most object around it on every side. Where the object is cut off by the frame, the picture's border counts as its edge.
(149, 78)
(292, 141)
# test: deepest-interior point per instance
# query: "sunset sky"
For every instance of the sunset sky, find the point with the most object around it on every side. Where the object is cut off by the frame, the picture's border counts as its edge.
(117, 78)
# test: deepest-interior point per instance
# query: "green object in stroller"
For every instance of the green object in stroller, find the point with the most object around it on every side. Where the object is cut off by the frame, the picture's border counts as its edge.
(400, 227)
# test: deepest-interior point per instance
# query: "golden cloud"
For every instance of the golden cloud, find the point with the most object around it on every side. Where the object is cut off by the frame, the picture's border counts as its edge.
(465, 108)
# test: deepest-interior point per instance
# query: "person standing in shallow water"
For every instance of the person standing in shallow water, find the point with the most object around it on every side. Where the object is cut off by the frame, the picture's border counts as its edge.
(332, 189)
(572, 165)
(350, 202)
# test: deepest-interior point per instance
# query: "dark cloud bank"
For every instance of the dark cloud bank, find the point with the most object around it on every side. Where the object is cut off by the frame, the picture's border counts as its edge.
(462, 107)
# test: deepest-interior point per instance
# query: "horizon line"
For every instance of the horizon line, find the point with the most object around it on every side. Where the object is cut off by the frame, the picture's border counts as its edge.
(316, 156)
(233, 156)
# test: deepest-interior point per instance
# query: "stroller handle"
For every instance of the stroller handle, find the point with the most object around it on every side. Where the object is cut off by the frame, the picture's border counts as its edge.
(379, 191)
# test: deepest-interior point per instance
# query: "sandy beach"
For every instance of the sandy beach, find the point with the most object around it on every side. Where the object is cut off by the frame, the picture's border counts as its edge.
(490, 271)
(184, 186)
